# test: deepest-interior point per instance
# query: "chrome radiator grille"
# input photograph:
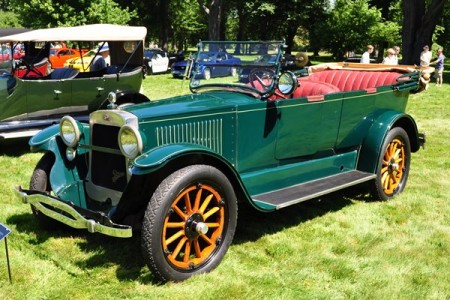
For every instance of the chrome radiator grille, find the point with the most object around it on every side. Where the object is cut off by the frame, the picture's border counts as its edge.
(205, 133)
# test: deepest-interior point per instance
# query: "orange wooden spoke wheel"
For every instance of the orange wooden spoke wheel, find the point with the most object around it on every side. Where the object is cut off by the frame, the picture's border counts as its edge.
(189, 223)
(193, 227)
(392, 166)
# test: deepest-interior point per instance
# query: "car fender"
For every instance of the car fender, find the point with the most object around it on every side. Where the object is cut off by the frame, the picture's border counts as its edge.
(157, 157)
(65, 177)
(185, 154)
(371, 146)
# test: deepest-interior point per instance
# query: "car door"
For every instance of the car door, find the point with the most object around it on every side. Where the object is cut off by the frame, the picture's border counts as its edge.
(88, 94)
(307, 127)
(48, 98)
(220, 66)
(160, 62)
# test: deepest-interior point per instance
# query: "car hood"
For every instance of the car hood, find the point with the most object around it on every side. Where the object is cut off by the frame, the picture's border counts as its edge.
(208, 102)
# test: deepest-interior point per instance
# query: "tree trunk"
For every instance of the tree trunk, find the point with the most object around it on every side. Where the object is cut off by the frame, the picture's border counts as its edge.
(165, 26)
(418, 27)
(214, 13)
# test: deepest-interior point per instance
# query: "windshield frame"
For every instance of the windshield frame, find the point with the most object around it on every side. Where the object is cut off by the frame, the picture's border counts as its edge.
(198, 85)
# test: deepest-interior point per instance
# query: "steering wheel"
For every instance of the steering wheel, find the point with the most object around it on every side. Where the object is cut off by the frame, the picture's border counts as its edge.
(261, 78)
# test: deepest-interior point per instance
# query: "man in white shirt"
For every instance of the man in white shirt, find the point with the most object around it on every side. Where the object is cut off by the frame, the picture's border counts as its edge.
(425, 57)
(365, 59)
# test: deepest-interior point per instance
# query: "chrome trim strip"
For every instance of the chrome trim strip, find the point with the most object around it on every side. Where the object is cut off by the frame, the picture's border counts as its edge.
(76, 220)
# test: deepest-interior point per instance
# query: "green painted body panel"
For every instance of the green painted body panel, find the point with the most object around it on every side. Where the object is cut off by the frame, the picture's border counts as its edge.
(41, 98)
(263, 181)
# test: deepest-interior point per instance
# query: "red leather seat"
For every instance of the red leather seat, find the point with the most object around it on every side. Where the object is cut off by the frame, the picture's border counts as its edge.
(347, 80)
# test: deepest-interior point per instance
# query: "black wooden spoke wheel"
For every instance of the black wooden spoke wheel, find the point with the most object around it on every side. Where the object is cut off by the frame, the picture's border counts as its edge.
(189, 223)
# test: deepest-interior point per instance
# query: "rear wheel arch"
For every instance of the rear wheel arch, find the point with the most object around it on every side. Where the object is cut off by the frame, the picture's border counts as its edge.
(371, 146)
(411, 129)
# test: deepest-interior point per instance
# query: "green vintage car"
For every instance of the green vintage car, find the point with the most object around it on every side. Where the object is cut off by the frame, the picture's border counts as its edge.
(176, 170)
(31, 99)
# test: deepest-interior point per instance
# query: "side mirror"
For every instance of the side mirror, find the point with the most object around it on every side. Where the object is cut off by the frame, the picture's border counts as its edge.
(287, 83)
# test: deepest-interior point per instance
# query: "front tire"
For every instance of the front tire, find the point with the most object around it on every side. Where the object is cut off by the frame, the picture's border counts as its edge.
(393, 165)
(40, 181)
(189, 223)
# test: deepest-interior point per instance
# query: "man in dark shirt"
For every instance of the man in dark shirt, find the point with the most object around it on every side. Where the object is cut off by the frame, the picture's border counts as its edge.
(99, 62)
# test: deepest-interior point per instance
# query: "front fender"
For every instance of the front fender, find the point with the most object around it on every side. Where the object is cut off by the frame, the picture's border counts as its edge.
(157, 157)
(44, 139)
(371, 147)
(66, 178)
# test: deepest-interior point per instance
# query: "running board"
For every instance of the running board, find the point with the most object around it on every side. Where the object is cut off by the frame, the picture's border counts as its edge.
(312, 189)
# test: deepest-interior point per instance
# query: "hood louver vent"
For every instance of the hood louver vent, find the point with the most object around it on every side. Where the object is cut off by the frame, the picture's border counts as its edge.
(205, 133)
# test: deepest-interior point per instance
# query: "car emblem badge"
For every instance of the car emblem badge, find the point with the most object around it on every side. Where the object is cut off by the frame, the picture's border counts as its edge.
(107, 117)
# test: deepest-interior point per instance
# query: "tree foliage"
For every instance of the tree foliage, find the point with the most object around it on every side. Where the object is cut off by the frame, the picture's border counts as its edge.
(9, 19)
(351, 25)
(178, 24)
(49, 13)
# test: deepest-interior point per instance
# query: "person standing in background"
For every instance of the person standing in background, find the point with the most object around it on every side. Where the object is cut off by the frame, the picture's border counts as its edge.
(425, 57)
(396, 52)
(439, 67)
(365, 59)
(390, 59)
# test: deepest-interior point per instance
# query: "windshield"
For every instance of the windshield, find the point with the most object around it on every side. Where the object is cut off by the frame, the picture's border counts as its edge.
(245, 66)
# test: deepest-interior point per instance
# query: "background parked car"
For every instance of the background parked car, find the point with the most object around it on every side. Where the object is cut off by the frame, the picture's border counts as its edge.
(156, 61)
(209, 64)
(58, 56)
(27, 105)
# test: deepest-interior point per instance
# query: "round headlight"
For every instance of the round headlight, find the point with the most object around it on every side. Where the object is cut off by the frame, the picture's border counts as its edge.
(130, 141)
(69, 131)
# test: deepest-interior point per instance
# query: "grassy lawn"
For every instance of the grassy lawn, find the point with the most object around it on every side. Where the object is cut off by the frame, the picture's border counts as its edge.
(337, 247)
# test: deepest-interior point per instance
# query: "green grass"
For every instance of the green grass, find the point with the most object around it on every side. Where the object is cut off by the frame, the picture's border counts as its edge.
(337, 247)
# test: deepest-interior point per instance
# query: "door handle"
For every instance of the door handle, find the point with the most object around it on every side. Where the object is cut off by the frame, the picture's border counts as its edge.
(57, 93)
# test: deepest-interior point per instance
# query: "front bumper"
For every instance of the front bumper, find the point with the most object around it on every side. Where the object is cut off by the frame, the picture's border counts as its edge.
(72, 216)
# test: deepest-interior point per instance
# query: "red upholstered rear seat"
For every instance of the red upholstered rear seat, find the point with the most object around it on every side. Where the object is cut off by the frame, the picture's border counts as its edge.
(346, 80)
(313, 88)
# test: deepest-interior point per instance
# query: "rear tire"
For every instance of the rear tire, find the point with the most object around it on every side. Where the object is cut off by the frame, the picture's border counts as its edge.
(393, 165)
(40, 181)
(191, 199)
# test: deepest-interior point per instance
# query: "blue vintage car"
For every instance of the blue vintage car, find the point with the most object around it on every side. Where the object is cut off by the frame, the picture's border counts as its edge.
(208, 65)
(175, 171)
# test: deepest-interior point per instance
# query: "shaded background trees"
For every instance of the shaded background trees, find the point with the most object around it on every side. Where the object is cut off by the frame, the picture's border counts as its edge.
(313, 25)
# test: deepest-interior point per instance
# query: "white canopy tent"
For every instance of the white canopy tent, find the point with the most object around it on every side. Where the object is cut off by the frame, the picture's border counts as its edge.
(94, 32)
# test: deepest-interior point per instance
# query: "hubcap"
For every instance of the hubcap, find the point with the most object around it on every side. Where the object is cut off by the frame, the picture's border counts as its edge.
(194, 226)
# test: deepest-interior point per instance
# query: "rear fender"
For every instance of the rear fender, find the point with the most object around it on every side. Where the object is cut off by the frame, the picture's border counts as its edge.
(371, 147)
